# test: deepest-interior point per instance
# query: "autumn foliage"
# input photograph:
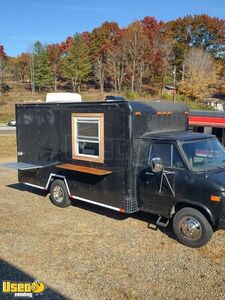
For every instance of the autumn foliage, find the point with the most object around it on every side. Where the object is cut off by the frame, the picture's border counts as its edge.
(3, 59)
(139, 58)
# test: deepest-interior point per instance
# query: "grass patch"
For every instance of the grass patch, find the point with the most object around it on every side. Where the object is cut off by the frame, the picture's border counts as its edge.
(8, 101)
(93, 96)
(184, 99)
(7, 146)
(7, 112)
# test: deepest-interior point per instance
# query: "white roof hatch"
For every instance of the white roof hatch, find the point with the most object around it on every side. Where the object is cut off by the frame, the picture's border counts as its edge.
(63, 98)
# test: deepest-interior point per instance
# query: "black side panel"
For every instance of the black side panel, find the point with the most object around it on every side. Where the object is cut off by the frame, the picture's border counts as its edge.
(45, 136)
(39, 134)
(109, 189)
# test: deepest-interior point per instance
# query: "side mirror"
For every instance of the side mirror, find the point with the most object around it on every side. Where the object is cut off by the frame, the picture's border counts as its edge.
(156, 165)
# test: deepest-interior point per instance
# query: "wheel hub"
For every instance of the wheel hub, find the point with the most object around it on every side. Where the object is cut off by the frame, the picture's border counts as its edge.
(190, 228)
(58, 193)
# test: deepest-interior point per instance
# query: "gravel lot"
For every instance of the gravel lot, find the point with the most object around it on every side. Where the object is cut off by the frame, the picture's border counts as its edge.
(88, 252)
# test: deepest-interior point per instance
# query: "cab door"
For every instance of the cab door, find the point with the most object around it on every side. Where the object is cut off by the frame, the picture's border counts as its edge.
(158, 190)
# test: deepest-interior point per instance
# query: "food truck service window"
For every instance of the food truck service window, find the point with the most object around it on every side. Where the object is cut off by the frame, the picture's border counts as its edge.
(88, 136)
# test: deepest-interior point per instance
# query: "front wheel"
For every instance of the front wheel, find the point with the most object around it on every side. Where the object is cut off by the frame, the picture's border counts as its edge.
(192, 228)
(59, 194)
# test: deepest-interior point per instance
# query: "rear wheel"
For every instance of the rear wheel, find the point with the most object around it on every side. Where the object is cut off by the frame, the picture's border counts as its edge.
(192, 228)
(59, 194)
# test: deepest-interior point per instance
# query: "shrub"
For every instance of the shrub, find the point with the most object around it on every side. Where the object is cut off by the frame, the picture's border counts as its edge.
(130, 95)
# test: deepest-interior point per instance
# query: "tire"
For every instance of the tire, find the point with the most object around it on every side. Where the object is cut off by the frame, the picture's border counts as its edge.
(59, 195)
(192, 228)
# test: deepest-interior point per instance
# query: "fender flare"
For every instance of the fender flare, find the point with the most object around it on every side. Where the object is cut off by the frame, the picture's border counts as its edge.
(197, 205)
(54, 176)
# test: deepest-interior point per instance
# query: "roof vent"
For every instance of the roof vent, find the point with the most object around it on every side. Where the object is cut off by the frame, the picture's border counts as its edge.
(63, 98)
(114, 98)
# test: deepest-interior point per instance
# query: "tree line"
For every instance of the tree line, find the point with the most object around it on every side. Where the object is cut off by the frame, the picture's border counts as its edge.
(144, 57)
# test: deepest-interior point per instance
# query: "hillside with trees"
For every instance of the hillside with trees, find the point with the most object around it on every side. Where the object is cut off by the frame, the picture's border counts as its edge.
(187, 54)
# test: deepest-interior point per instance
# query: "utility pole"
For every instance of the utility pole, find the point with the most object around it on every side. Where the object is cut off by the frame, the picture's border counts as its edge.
(174, 83)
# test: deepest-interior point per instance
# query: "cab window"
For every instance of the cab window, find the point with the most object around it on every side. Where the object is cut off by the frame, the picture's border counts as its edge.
(168, 154)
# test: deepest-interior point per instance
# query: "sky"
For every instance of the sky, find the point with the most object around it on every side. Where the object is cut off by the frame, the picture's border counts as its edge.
(51, 21)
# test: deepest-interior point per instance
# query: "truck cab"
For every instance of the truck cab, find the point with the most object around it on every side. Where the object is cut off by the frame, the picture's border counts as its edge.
(182, 175)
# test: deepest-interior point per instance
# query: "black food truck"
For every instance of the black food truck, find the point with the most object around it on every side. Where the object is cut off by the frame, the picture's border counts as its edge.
(127, 156)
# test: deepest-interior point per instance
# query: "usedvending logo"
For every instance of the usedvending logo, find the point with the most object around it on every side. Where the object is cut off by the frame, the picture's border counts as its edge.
(23, 289)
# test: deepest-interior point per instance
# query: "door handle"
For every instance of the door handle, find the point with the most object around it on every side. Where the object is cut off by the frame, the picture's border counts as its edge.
(149, 173)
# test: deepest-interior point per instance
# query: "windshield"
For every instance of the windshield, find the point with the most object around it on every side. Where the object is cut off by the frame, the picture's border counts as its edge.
(205, 154)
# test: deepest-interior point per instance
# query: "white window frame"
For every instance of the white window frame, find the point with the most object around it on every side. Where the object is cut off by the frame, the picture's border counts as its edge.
(88, 118)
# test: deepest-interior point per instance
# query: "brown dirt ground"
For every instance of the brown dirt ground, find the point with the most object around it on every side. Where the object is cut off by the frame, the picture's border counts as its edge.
(87, 252)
